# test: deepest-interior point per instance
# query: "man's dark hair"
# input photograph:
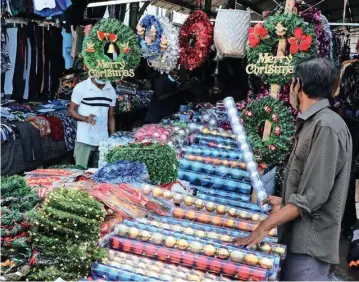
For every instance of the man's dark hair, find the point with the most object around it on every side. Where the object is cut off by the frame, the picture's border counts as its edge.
(317, 76)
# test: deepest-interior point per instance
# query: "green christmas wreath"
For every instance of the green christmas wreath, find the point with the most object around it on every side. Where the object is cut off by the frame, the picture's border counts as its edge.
(275, 149)
(264, 38)
(160, 159)
(111, 50)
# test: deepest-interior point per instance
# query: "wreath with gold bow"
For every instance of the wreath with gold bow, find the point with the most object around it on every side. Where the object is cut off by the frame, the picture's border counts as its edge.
(264, 38)
(110, 50)
(151, 38)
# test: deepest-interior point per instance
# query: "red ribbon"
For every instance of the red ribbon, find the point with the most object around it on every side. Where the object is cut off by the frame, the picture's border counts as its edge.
(106, 36)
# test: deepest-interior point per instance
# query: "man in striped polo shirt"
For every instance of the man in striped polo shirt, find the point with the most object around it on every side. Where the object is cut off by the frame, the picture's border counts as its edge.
(93, 106)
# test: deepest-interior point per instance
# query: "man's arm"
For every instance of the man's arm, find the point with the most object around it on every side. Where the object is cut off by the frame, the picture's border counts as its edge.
(325, 159)
(111, 120)
(72, 111)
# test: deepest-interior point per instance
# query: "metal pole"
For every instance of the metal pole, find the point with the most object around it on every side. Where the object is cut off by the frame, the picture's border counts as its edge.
(133, 15)
(208, 6)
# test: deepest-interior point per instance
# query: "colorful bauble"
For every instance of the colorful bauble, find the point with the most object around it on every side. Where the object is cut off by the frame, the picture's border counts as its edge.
(276, 148)
(110, 36)
(195, 39)
(151, 38)
(264, 38)
(167, 61)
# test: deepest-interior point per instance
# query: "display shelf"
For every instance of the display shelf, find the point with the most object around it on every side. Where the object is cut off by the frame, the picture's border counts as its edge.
(214, 160)
(213, 144)
(216, 132)
(216, 139)
(195, 261)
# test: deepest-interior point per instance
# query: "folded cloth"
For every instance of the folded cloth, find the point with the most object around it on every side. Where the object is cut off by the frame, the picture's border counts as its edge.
(41, 124)
(8, 132)
(57, 128)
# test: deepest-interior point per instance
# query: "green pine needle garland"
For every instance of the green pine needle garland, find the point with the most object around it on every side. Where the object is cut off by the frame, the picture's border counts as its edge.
(160, 159)
(66, 231)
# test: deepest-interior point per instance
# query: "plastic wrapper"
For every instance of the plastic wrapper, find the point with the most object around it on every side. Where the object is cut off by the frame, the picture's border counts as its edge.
(217, 132)
(213, 152)
(217, 193)
(114, 274)
(214, 161)
(189, 259)
(219, 170)
(156, 268)
(213, 144)
(220, 236)
(217, 139)
(215, 182)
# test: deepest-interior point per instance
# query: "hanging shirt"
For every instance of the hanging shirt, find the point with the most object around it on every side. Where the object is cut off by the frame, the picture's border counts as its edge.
(92, 100)
(42, 4)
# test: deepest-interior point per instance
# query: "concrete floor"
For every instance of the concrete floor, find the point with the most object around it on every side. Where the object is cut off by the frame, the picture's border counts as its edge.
(342, 271)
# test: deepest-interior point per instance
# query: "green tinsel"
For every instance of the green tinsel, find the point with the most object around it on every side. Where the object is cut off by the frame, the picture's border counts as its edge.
(262, 110)
(9, 217)
(160, 159)
(65, 234)
(289, 21)
(14, 186)
(125, 36)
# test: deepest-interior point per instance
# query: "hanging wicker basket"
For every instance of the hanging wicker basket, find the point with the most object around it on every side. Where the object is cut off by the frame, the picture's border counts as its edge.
(231, 32)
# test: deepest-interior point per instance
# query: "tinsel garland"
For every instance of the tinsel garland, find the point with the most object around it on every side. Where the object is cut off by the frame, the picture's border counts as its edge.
(122, 172)
(66, 242)
(167, 61)
(150, 49)
(280, 142)
(125, 39)
(195, 40)
(288, 24)
(14, 186)
(160, 159)
(314, 16)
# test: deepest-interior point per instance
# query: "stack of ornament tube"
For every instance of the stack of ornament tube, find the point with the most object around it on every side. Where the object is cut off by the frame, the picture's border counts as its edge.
(198, 246)
(191, 259)
(191, 233)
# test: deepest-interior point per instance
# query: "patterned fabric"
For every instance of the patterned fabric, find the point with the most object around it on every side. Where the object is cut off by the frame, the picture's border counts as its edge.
(41, 124)
(13, 107)
(69, 127)
(130, 99)
(57, 128)
(8, 132)
(5, 60)
(122, 172)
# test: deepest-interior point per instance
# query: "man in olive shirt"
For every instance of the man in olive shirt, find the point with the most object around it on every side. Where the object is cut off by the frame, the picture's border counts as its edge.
(316, 182)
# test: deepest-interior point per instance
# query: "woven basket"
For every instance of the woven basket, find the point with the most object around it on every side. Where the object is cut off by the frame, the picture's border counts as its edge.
(231, 32)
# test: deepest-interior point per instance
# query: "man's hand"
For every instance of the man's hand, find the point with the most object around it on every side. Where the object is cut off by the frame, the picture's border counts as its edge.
(274, 202)
(91, 119)
(255, 238)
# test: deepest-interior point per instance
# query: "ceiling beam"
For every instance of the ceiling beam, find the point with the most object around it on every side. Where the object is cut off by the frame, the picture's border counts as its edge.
(247, 4)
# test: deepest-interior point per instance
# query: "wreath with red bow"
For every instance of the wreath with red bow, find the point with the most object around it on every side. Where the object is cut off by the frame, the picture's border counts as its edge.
(195, 40)
(264, 38)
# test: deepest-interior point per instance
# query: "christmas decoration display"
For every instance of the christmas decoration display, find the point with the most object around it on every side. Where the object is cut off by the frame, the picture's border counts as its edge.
(65, 232)
(117, 139)
(231, 32)
(152, 40)
(122, 172)
(278, 145)
(160, 159)
(130, 99)
(167, 61)
(195, 40)
(111, 50)
(16, 199)
(263, 37)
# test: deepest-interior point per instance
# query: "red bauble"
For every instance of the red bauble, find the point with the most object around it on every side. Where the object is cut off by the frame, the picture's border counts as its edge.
(258, 275)
(229, 268)
(175, 257)
(188, 259)
(138, 248)
(215, 266)
(202, 263)
(277, 130)
(162, 253)
(150, 250)
(275, 118)
(267, 109)
(126, 245)
(115, 243)
(243, 272)
(272, 147)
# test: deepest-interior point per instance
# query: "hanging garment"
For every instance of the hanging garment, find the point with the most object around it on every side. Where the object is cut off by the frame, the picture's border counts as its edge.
(60, 7)
(33, 80)
(9, 75)
(39, 5)
(18, 79)
(66, 48)
(27, 69)
(5, 59)
(77, 39)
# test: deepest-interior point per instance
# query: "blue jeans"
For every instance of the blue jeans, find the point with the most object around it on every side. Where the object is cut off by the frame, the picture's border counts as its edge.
(12, 45)
(299, 267)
